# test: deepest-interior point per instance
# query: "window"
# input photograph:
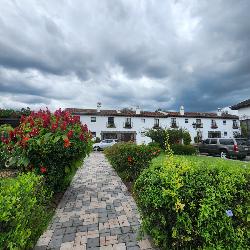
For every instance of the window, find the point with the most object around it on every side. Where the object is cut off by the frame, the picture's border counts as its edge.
(227, 141)
(206, 141)
(93, 134)
(224, 122)
(186, 120)
(157, 122)
(213, 141)
(173, 120)
(225, 133)
(198, 121)
(143, 120)
(235, 124)
(110, 120)
(142, 133)
(128, 120)
(93, 119)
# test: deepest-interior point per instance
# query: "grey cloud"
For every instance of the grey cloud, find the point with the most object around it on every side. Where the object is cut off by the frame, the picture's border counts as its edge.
(153, 53)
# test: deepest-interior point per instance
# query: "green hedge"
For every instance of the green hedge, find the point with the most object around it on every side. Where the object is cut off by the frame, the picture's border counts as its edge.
(23, 211)
(180, 149)
(192, 202)
(129, 159)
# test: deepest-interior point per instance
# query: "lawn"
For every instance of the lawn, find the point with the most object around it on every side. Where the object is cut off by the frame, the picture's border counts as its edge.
(204, 159)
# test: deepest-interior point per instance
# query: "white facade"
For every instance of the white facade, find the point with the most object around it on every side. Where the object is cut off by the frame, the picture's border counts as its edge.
(97, 123)
(244, 113)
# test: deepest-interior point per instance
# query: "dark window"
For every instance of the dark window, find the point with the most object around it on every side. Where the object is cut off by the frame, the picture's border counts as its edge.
(173, 120)
(93, 119)
(225, 133)
(227, 141)
(111, 120)
(206, 141)
(157, 122)
(198, 121)
(128, 120)
(224, 122)
(213, 141)
(186, 120)
(93, 134)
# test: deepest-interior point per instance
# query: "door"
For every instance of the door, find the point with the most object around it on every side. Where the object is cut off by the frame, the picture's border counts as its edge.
(213, 147)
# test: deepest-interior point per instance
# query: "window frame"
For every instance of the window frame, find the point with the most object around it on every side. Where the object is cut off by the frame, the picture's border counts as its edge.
(93, 119)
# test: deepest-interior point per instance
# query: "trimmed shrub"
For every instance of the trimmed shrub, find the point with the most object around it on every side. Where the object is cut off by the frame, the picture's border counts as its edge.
(191, 203)
(48, 144)
(23, 211)
(180, 149)
(129, 159)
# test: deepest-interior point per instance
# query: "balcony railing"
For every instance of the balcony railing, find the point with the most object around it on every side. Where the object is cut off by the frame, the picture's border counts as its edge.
(127, 125)
(156, 126)
(235, 126)
(197, 125)
(214, 126)
(174, 125)
(110, 125)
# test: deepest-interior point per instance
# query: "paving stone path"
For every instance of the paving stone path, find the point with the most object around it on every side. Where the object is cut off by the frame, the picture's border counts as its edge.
(96, 212)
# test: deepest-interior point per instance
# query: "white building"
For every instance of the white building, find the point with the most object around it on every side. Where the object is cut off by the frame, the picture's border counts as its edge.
(244, 113)
(126, 125)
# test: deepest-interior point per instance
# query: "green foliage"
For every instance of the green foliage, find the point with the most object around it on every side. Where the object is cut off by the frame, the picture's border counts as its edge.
(11, 113)
(97, 140)
(175, 136)
(129, 159)
(4, 131)
(180, 149)
(244, 131)
(23, 213)
(186, 202)
(48, 144)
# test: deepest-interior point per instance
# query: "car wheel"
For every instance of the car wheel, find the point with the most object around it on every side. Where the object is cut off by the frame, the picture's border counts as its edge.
(223, 154)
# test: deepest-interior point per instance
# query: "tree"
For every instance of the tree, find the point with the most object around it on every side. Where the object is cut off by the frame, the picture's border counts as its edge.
(176, 136)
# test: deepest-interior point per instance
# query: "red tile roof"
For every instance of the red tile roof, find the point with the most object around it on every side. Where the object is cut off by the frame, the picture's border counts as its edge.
(106, 112)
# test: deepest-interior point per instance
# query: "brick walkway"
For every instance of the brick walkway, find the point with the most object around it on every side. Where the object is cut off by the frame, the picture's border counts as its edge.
(96, 212)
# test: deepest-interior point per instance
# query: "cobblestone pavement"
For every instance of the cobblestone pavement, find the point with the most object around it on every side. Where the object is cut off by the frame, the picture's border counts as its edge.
(96, 212)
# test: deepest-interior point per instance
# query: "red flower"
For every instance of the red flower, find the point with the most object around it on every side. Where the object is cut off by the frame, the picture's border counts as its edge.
(130, 159)
(63, 126)
(70, 134)
(66, 142)
(81, 137)
(54, 127)
(43, 169)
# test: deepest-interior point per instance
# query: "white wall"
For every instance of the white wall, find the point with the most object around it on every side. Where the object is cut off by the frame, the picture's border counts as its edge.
(139, 126)
(244, 113)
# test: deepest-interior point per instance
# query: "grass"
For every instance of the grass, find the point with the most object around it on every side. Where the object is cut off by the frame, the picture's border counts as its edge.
(203, 159)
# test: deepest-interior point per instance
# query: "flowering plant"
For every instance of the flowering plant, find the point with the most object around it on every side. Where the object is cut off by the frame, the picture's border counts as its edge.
(129, 159)
(47, 143)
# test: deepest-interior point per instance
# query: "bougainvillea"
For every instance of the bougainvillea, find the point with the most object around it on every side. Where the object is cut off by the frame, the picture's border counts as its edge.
(49, 142)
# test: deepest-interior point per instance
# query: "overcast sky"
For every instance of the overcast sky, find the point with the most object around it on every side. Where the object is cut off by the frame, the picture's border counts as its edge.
(123, 53)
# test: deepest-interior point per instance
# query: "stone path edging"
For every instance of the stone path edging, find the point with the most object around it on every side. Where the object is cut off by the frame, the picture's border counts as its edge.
(96, 212)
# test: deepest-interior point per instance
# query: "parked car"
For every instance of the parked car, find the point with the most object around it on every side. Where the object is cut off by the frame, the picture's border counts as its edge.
(104, 144)
(226, 148)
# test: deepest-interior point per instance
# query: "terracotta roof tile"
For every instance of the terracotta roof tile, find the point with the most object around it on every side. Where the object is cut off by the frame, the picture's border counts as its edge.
(105, 112)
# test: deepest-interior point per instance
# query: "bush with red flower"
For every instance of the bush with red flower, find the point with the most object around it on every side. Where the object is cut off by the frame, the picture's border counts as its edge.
(129, 159)
(50, 143)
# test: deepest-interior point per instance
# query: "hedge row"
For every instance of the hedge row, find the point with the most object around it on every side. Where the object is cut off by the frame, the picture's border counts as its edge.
(48, 148)
(129, 159)
(23, 210)
(191, 203)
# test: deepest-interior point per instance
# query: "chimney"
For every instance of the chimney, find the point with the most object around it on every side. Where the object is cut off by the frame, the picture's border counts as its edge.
(182, 112)
(219, 112)
(137, 110)
(99, 105)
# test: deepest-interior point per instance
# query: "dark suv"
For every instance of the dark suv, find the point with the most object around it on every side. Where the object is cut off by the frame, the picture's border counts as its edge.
(226, 148)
